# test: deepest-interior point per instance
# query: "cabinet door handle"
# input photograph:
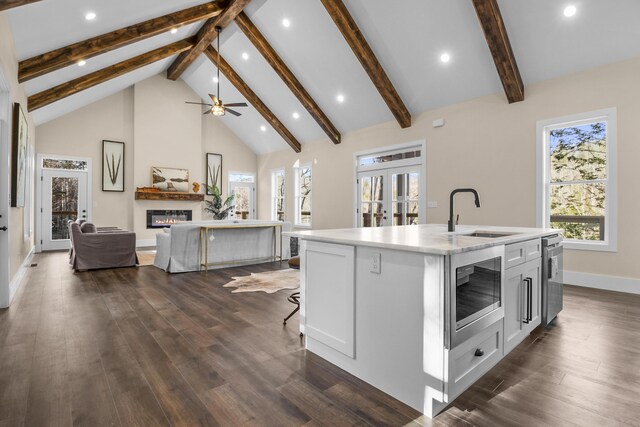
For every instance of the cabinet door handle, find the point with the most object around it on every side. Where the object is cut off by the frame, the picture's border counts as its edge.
(530, 306)
(479, 352)
(525, 299)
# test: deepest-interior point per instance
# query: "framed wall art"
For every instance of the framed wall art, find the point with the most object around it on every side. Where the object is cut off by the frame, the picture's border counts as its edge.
(214, 171)
(170, 179)
(19, 142)
(112, 166)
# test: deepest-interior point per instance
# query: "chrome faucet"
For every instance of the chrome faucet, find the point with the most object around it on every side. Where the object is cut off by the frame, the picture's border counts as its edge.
(451, 224)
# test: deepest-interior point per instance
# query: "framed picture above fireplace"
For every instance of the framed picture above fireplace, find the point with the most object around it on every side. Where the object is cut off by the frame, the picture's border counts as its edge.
(214, 171)
(112, 166)
(170, 179)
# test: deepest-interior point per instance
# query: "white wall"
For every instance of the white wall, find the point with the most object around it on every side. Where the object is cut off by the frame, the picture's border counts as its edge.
(489, 145)
(158, 129)
(19, 246)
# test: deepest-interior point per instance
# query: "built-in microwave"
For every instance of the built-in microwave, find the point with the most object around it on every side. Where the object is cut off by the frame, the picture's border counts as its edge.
(475, 292)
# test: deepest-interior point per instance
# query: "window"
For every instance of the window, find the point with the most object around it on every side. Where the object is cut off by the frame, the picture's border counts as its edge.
(576, 178)
(243, 188)
(68, 164)
(277, 195)
(303, 196)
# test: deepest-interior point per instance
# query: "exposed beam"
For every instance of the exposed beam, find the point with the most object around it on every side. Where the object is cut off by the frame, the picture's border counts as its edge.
(272, 57)
(64, 90)
(69, 55)
(354, 37)
(253, 99)
(9, 4)
(206, 36)
(500, 47)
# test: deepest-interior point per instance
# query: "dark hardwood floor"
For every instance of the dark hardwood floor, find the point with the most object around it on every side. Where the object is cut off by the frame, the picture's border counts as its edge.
(138, 347)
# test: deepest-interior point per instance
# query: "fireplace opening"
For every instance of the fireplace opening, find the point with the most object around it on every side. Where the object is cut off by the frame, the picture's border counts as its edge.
(165, 219)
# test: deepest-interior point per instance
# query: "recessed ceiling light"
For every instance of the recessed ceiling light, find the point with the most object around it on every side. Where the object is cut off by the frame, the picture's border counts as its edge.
(215, 79)
(296, 115)
(569, 11)
(340, 98)
(286, 23)
(245, 56)
(90, 16)
(263, 128)
(82, 63)
(445, 57)
(174, 30)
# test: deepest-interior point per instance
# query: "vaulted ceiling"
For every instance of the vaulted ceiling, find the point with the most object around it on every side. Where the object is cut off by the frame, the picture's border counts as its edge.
(407, 37)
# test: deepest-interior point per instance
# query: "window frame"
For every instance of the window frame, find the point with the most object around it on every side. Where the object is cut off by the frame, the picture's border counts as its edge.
(274, 194)
(543, 176)
(297, 220)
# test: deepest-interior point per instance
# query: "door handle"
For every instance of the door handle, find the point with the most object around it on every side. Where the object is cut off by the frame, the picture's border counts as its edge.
(3, 228)
(526, 303)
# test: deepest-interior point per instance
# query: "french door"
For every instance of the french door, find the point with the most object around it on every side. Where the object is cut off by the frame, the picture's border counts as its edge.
(245, 193)
(64, 198)
(388, 197)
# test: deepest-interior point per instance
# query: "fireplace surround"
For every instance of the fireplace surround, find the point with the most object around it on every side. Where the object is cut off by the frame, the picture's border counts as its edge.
(165, 218)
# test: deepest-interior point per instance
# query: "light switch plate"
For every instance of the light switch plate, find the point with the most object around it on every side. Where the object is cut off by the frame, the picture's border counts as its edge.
(375, 263)
(432, 204)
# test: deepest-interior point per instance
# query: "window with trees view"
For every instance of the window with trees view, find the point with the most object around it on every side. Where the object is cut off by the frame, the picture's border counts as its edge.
(303, 196)
(277, 195)
(578, 178)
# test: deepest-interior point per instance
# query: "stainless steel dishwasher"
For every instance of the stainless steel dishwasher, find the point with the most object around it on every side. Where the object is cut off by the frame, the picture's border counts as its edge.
(552, 283)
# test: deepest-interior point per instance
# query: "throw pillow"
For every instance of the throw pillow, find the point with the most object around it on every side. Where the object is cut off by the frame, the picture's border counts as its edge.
(88, 227)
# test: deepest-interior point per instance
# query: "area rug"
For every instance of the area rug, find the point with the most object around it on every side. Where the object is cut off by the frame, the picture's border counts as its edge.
(146, 258)
(269, 282)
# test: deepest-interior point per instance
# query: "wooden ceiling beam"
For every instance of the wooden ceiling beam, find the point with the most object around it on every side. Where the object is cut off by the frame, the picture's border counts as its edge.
(206, 36)
(69, 55)
(496, 34)
(64, 90)
(356, 40)
(10, 4)
(253, 99)
(276, 62)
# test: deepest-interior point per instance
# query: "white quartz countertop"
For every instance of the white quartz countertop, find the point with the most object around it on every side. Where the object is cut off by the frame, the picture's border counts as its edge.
(426, 238)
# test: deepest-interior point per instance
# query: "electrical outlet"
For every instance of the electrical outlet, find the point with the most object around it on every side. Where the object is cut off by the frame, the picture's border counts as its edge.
(432, 204)
(375, 263)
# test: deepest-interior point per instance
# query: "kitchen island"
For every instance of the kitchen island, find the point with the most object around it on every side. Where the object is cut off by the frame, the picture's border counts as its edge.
(416, 311)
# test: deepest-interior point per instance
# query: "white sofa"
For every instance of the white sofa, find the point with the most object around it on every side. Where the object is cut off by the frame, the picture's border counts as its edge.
(178, 247)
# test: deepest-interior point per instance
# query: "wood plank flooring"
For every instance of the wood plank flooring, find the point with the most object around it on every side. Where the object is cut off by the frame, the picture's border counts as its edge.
(138, 347)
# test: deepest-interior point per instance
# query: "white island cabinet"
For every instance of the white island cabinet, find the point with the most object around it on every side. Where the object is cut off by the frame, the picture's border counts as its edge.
(392, 305)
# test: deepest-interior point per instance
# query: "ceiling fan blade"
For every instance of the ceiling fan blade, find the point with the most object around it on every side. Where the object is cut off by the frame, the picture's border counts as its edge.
(198, 103)
(229, 110)
(213, 98)
(209, 111)
(237, 104)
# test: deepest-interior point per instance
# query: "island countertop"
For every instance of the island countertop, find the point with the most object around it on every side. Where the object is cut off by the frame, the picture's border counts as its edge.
(424, 238)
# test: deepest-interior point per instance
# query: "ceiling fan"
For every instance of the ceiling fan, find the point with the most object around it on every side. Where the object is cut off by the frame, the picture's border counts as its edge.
(218, 108)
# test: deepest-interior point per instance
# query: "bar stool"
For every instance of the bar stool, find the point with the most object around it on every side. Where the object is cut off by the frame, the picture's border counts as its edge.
(294, 298)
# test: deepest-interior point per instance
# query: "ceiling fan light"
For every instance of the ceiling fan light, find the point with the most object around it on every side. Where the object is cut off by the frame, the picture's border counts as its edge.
(217, 110)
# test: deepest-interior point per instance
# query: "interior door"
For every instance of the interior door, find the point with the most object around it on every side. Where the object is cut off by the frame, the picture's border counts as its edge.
(373, 199)
(244, 200)
(4, 202)
(64, 197)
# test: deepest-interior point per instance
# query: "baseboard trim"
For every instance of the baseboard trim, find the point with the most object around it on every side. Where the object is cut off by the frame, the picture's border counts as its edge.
(601, 281)
(145, 243)
(15, 283)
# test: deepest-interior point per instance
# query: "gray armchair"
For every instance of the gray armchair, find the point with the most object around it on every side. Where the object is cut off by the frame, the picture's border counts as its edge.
(91, 250)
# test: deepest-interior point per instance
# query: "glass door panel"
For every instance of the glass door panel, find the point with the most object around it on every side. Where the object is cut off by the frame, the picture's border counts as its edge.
(243, 200)
(371, 194)
(64, 198)
(405, 196)
(64, 206)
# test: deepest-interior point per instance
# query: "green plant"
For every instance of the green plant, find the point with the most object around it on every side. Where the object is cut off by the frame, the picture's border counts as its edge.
(216, 206)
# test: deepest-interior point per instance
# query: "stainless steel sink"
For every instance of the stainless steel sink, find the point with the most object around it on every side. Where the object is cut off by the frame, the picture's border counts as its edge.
(490, 234)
